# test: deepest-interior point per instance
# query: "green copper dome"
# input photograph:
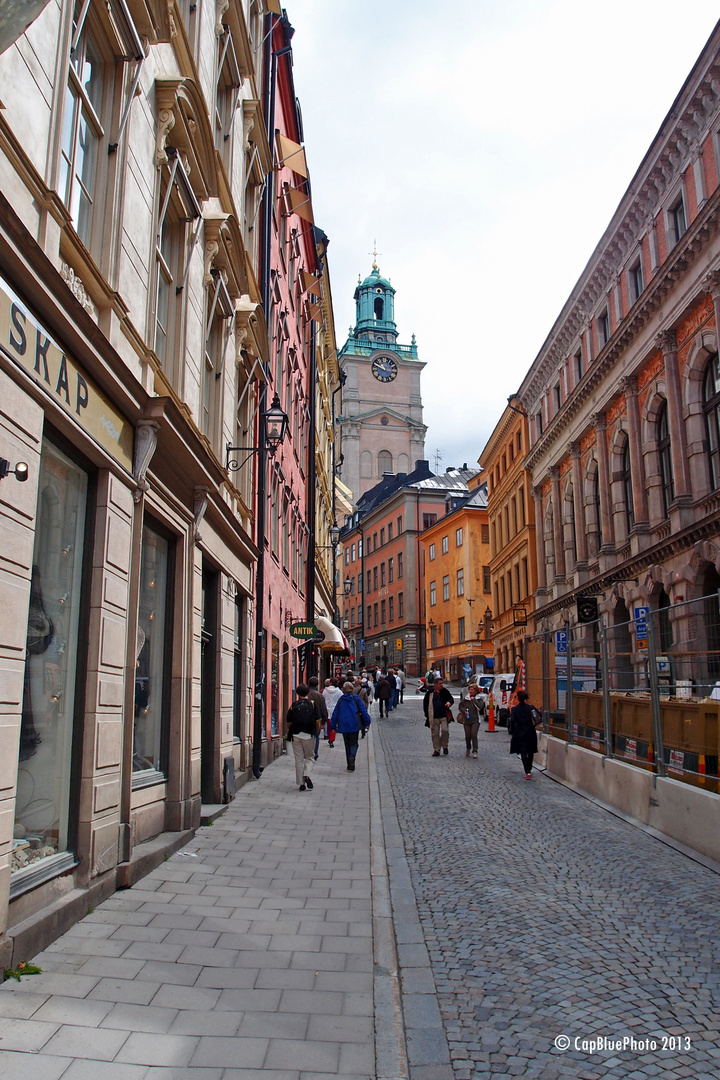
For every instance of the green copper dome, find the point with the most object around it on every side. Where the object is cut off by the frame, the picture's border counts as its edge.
(375, 279)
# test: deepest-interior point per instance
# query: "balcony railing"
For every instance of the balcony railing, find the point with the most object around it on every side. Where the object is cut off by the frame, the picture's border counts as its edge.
(363, 347)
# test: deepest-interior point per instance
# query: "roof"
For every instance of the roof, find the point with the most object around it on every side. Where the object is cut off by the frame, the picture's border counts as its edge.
(375, 278)
(452, 481)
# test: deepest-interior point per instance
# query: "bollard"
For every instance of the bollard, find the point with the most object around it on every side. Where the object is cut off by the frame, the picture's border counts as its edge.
(491, 715)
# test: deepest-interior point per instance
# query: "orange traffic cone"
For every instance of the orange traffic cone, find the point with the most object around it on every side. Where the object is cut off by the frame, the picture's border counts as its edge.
(491, 716)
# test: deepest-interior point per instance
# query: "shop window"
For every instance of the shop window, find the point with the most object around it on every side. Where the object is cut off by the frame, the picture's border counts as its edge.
(153, 665)
(238, 661)
(54, 666)
(274, 685)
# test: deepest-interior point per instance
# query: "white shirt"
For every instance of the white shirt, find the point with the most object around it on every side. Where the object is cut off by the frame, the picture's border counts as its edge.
(332, 695)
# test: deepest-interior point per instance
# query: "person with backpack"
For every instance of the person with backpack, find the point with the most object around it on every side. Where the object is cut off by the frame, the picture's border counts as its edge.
(349, 716)
(303, 721)
(523, 737)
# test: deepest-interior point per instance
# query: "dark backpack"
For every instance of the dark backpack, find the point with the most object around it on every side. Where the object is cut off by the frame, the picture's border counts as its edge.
(304, 715)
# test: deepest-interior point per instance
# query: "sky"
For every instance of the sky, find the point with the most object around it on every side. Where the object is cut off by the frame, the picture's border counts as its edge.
(484, 144)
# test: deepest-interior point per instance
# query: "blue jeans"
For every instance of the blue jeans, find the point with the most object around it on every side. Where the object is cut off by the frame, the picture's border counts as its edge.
(350, 738)
(395, 698)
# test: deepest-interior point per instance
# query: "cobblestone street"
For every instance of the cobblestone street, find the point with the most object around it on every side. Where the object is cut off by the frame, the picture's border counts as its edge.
(546, 916)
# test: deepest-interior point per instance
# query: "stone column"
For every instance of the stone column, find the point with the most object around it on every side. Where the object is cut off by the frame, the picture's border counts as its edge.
(640, 504)
(539, 538)
(676, 423)
(557, 523)
(606, 520)
(578, 507)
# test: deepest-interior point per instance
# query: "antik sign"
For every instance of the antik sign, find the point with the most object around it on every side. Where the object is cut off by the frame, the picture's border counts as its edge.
(25, 341)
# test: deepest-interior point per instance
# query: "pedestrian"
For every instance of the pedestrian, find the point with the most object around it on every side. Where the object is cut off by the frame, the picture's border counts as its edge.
(383, 692)
(401, 673)
(437, 706)
(349, 716)
(332, 695)
(470, 712)
(368, 686)
(315, 696)
(303, 720)
(523, 737)
(395, 684)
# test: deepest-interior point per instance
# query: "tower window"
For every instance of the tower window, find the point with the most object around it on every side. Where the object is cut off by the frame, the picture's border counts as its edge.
(379, 304)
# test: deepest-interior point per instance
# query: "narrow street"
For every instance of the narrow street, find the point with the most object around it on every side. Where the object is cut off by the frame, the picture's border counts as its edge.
(522, 913)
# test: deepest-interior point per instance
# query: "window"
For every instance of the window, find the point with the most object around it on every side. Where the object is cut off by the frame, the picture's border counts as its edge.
(383, 619)
(626, 482)
(375, 577)
(369, 581)
(369, 615)
(431, 553)
(400, 564)
(446, 633)
(446, 587)
(220, 310)
(635, 280)
(347, 556)
(603, 327)
(229, 82)
(711, 406)
(485, 534)
(384, 462)
(461, 582)
(391, 610)
(390, 531)
(433, 594)
(538, 424)
(375, 614)
(375, 542)
(382, 574)
(677, 221)
(382, 537)
(486, 579)
(352, 553)
(428, 520)
(177, 205)
(352, 616)
(444, 545)
(578, 366)
(391, 570)
(83, 130)
(461, 628)
(238, 665)
(399, 525)
(433, 637)
(664, 453)
(458, 537)
(401, 605)
(359, 549)
(557, 398)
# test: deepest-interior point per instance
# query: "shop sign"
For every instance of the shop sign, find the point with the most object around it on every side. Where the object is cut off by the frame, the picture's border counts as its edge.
(305, 630)
(25, 341)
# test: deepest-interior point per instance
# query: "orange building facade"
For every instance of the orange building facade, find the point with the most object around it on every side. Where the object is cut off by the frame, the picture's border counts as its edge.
(456, 573)
(511, 517)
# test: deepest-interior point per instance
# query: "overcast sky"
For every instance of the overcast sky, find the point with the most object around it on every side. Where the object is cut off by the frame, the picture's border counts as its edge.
(485, 144)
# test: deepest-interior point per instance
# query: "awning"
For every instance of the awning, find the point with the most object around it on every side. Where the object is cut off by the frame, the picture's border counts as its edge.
(335, 641)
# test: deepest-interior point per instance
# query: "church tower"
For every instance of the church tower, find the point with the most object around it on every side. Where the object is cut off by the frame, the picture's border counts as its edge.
(381, 415)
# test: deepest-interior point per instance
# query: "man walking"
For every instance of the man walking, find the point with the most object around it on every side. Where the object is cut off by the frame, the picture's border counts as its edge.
(332, 695)
(401, 676)
(349, 715)
(383, 692)
(316, 697)
(437, 706)
(302, 726)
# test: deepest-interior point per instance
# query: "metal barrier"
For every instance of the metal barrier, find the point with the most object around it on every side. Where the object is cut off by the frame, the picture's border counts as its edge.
(646, 691)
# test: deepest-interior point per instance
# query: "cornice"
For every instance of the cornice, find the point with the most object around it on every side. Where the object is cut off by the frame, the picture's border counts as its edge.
(682, 255)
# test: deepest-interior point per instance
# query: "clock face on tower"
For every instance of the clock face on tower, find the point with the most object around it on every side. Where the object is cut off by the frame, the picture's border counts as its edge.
(384, 368)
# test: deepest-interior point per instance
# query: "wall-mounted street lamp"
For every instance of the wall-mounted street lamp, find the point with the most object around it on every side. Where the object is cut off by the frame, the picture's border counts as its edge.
(274, 425)
(488, 624)
(347, 585)
(20, 471)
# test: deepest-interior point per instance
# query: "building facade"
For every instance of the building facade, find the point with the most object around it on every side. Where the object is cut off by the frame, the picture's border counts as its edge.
(135, 241)
(381, 425)
(456, 575)
(623, 401)
(511, 518)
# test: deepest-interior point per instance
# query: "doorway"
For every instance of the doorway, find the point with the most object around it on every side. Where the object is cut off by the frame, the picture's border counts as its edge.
(209, 774)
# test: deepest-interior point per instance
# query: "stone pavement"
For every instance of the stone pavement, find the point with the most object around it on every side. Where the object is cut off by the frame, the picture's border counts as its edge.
(246, 955)
(420, 919)
(545, 917)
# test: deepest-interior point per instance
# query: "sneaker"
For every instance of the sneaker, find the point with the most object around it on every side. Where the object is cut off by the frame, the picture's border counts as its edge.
(467, 753)
(528, 776)
(308, 783)
(351, 767)
(445, 750)
(474, 754)
(436, 753)
(301, 788)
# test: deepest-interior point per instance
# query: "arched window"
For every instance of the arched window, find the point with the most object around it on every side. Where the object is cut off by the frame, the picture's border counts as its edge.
(666, 634)
(366, 465)
(384, 462)
(623, 675)
(711, 405)
(709, 584)
(596, 504)
(569, 533)
(664, 453)
(379, 308)
(627, 491)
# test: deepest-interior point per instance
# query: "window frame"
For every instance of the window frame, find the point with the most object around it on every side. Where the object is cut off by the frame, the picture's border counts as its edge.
(711, 408)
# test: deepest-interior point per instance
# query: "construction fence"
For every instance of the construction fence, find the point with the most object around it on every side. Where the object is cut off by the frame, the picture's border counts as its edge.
(646, 691)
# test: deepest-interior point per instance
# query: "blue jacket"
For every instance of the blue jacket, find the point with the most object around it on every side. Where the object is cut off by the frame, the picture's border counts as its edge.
(345, 714)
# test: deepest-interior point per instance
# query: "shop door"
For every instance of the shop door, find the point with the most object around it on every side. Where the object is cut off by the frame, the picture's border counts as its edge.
(209, 759)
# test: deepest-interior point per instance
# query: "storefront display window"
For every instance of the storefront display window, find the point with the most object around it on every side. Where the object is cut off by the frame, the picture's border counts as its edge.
(152, 669)
(51, 681)
(274, 685)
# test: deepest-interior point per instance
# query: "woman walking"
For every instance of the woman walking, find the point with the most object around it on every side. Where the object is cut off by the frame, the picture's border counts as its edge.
(523, 739)
(349, 716)
(470, 712)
